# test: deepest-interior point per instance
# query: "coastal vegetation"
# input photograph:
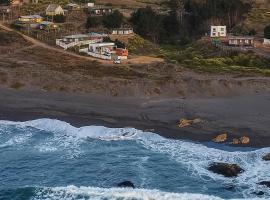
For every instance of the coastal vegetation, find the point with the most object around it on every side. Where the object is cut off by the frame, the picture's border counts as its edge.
(207, 58)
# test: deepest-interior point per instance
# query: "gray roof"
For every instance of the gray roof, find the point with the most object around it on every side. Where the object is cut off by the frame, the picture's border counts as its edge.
(241, 37)
(85, 35)
(52, 7)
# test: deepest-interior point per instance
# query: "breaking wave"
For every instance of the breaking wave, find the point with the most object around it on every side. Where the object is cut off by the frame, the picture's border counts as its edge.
(194, 156)
(85, 193)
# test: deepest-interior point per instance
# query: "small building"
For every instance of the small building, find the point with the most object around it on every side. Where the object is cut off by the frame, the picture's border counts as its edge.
(121, 54)
(80, 39)
(241, 41)
(99, 10)
(30, 19)
(218, 31)
(266, 41)
(91, 4)
(105, 48)
(46, 25)
(122, 31)
(103, 51)
(72, 7)
(54, 9)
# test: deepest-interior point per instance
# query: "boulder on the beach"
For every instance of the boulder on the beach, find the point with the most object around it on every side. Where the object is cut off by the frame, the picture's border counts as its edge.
(127, 184)
(266, 183)
(188, 122)
(225, 169)
(266, 157)
(221, 138)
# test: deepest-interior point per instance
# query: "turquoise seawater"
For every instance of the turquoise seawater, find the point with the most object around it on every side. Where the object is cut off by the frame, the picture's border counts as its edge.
(48, 159)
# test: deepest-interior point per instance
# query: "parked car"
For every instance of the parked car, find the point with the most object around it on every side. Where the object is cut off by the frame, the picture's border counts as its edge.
(117, 61)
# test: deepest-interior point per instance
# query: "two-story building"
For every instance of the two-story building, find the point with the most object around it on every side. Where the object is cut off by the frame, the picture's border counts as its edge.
(218, 31)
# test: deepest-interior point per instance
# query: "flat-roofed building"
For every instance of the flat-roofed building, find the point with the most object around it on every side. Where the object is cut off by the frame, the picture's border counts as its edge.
(241, 41)
(218, 31)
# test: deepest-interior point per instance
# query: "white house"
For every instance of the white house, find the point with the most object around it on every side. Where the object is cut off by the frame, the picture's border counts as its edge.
(103, 51)
(218, 31)
(79, 40)
(240, 41)
(54, 9)
(122, 31)
(90, 4)
(266, 41)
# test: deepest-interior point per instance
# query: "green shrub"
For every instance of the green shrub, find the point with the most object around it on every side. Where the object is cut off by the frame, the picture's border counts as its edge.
(267, 32)
(93, 22)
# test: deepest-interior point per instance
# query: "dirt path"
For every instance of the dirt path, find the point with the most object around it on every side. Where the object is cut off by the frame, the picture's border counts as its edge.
(48, 47)
(139, 60)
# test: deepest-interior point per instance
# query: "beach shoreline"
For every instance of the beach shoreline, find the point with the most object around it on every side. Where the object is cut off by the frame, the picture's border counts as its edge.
(238, 116)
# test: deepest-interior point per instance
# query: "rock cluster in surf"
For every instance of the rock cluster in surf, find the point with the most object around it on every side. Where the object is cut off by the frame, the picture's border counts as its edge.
(225, 169)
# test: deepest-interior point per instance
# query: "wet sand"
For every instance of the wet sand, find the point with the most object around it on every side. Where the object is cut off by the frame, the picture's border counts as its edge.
(247, 115)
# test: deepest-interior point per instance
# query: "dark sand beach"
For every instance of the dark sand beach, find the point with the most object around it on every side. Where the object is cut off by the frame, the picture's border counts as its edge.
(246, 115)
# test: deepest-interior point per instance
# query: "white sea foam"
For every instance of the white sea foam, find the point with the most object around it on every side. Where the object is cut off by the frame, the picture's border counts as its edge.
(196, 157)
(85, 193)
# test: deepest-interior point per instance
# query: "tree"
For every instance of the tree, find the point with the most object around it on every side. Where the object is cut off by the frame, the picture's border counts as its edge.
(113, 20)
(59, 18)
(93, 22)
(147, 23)
(5, 2)
(267, 32)
(178, 9)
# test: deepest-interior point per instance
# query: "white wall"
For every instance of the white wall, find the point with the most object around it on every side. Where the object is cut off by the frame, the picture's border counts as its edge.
(266, 41)
(218, 31)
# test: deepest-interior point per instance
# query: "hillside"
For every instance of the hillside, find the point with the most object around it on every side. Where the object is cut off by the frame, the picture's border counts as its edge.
(259, 16)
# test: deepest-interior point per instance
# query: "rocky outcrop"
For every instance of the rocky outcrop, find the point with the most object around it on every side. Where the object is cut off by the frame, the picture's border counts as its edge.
(126, 184)
(241, 140)
(221, 138)
(266, 183)
(266, 157)
(188, 122)
(225, 169)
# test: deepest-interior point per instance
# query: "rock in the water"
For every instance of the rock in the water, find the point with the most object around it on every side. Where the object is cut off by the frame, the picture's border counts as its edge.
(229, 187)
(266, 183)
(188, 122)
(241, 140)
(235, 141)
(221, 138)
(244, 140)
(126, 184)
(227, 170)
(267, 157)
(258, 193)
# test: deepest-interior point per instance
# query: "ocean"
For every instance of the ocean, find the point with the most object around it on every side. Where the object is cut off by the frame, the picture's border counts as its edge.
(48, 159)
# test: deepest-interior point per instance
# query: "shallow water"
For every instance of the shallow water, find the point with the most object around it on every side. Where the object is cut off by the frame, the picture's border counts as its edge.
(50, 159)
